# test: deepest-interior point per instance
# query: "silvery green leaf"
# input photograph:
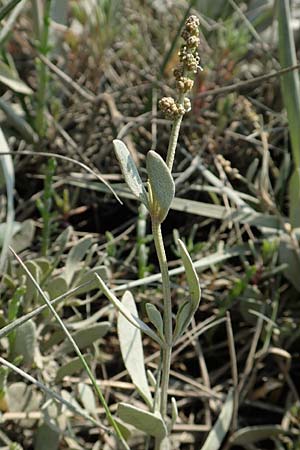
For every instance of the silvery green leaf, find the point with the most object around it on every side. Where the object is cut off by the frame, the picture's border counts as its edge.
(162, 184)
(174, 411)
(130, 172)
(86, 337)
(251, 435)
(191, 274)
(7, 169)
(221, 427)
(71, 367)
(150, 423)
(132, 349)
(155, 318)
(89, 278)
(87, 398)
(46, 438)
(56, 286)
(183, 318)
(185, 314)
(138, 323)
(25, 342)
(10, 78)
(74, 258)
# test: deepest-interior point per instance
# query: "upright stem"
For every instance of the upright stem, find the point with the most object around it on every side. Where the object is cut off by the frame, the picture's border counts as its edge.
(166, 353)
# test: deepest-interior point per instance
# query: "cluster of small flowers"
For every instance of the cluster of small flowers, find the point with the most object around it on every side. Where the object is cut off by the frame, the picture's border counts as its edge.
(184, 72)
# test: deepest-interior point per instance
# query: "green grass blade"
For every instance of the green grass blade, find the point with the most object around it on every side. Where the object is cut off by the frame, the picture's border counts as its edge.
(291, 96)
(7, 8)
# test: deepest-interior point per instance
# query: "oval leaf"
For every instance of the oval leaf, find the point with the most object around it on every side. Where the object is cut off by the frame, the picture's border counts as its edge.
(25, 342)
(186, 312)
(162, 184)
(150, 423)
(132, 349)
(130, 172)
(74, 258)
(155, 318)
(86, 337)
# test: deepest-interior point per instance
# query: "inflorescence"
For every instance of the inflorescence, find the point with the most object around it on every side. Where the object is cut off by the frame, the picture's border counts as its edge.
(184, 73)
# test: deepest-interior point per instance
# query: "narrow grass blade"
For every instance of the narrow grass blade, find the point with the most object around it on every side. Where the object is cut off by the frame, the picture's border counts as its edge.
(7, 8)
(66, 158)
(291, 97)
(77, 351)
(9, 178)
(132, 349)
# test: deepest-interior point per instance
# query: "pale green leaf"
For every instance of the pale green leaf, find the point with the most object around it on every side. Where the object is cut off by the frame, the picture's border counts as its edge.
(86, 337)
(87, 398)
(138, 323)
(183, 318)
(25, 342)
(191, 274)
(10, 78)
(162, 184)
(251, 435)
(187, 311)
(75, 257)
(6, 165)
(150, 423)
(56, 286)
(130, 172)
(24, 236)
(90, 279)
(71, 367)
(221, 427)
(132, 349)
(155, 318)
(46, 438)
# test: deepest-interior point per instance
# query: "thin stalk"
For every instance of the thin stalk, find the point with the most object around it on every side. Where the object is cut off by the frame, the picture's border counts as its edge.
(168, 332)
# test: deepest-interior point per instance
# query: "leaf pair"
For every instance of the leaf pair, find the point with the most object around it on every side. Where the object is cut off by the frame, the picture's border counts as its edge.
(161, 183)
